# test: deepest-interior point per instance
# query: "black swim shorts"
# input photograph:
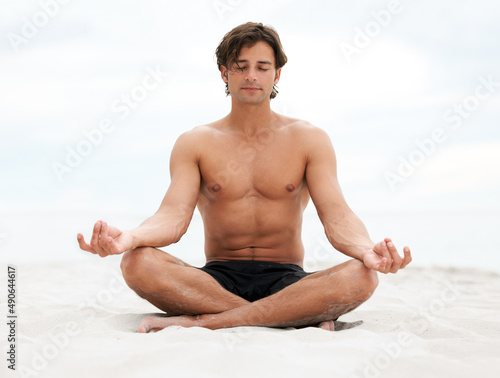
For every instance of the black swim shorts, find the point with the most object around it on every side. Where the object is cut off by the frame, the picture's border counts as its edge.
(253, 280)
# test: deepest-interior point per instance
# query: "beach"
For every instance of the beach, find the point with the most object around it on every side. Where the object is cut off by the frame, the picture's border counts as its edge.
(92, 103)
(79, 319)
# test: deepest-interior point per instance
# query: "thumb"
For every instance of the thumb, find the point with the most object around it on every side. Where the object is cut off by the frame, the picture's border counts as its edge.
(381, 266)
(115, 248)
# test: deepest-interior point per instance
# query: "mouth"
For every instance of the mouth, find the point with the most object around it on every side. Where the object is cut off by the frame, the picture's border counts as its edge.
(251, 89)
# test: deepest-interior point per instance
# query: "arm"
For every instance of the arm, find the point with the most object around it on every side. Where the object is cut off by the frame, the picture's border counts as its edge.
(172, 218)
(343, 228)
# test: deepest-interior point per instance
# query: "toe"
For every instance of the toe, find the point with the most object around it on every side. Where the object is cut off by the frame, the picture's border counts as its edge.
(146, 325)
(328, 325)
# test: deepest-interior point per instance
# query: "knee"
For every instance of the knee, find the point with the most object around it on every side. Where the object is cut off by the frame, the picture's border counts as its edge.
(134, 262)
(367, 280)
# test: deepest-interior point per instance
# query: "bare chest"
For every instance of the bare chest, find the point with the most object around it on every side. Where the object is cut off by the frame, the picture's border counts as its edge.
(270, 165)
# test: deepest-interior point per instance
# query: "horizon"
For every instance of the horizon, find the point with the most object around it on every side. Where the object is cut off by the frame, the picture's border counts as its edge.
(92, 102)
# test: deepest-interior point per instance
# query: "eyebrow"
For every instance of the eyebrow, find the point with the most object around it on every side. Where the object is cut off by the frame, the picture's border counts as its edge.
(259, 61)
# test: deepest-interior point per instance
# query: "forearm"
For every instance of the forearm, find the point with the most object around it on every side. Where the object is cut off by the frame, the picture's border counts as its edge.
(347, 234)
(161, 230)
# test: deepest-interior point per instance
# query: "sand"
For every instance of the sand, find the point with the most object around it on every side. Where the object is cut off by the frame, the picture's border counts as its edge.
(80, 320)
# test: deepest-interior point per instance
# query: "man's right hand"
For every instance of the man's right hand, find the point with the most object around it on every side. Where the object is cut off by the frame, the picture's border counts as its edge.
(106, 240)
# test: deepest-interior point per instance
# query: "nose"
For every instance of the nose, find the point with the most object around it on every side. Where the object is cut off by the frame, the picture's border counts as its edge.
(251, 74)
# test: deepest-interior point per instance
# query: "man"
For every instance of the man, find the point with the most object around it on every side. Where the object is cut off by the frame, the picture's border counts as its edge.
(251, 174)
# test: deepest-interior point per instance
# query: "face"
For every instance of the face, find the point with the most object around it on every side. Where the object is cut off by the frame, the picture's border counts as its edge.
(252, 82)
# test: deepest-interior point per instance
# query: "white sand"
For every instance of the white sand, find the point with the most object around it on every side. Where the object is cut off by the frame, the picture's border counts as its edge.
(80, 320)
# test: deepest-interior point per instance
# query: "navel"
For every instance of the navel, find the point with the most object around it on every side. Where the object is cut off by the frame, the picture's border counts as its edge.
(290, 187)
(216, 187)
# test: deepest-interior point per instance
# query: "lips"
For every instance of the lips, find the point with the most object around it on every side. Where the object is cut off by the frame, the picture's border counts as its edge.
(251, 88)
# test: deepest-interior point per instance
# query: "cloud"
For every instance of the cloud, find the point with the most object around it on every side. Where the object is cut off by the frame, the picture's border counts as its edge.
(66, 79)
(465, 169)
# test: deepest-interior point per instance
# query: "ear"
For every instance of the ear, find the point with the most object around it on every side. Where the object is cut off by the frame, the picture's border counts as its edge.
(223, 73)
(277, 76)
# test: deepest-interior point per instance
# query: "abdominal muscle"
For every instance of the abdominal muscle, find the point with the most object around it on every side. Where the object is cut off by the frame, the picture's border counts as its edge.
(254, 229)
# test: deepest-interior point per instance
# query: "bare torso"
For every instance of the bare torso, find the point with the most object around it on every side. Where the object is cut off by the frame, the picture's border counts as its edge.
(253, 192)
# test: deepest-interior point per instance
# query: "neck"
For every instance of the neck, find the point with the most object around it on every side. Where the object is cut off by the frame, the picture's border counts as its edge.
(250, 118)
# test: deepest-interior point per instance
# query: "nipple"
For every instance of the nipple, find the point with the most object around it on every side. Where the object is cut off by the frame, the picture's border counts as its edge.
(216, 188)
(290, 188)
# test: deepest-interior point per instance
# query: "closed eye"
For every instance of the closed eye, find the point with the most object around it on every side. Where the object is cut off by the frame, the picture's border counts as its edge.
(239, 68)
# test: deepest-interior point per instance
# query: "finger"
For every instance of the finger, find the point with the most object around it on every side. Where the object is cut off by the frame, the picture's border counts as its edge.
(407, 259)
(384, 251)
(113, 248)
(103, 240)
(379, 266)
(83, 244)
(94, 241)
(107, 241)
(396, 259)
(383, 266)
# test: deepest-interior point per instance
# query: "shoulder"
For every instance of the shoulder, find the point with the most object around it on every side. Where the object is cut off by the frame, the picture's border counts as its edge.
(299, 126)
(314, 142)
(195, 139)
(309, 135)
(195, 135)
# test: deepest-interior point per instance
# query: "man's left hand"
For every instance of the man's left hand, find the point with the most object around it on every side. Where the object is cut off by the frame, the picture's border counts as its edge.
(384, 257)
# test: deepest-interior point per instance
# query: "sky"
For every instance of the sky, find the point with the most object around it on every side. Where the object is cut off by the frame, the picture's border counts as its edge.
(94, 94)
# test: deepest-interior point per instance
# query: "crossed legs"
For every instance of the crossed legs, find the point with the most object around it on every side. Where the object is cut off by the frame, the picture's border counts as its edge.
(197, 299)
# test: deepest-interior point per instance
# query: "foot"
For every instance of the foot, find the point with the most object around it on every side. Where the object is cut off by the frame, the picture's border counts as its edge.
(328, 326)
(336, 325)
(157, 323)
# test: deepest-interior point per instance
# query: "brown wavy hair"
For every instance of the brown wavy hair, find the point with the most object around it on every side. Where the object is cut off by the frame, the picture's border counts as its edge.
(247, 35)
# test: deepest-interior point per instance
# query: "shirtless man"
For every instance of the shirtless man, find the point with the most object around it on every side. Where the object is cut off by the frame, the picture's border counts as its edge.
(251, 174)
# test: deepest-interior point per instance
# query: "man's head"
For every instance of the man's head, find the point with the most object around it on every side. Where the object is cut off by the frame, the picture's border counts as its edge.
(243, 37)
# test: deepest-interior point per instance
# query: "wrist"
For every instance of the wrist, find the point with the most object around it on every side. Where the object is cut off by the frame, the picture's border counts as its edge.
(136, 242)
(366, 250)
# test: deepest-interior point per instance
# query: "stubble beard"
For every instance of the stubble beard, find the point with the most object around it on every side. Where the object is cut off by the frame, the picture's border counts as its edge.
(255, 98)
